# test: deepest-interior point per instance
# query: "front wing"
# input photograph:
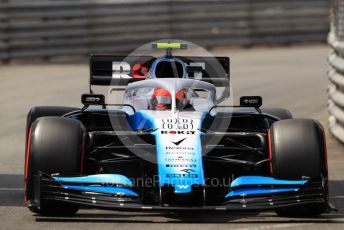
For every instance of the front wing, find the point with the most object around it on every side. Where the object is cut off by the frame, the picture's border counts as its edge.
(243, 197)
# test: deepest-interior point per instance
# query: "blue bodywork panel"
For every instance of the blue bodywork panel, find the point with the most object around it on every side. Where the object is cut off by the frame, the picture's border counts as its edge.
(103, 189)
(262, 180)
(97, 179)
(254, 185)
(258, 191)
(180, 168)
(141, 120)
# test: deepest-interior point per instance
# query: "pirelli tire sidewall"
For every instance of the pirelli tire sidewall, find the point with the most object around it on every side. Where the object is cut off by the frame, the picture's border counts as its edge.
(298, 151)
(56, 145)
(44, 111)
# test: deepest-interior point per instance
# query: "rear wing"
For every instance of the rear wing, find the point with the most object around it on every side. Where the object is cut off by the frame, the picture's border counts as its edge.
(120, 70)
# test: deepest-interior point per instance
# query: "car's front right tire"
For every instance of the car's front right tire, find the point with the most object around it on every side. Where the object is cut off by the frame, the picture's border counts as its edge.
(55, 145)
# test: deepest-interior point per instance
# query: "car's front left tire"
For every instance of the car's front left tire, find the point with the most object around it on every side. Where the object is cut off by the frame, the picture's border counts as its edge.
(298, 151)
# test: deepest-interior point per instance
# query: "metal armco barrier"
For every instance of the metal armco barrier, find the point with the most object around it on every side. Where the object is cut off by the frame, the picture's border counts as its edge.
(336, 71)
(48, 28)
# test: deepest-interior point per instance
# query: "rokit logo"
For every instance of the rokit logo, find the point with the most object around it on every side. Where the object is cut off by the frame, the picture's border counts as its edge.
(121, 70)
(180, 132)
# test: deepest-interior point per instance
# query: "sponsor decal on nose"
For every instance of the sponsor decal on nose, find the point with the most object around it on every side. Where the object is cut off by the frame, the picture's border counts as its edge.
(188, 170)
(183, 186)
(178, 142)
(178, 132)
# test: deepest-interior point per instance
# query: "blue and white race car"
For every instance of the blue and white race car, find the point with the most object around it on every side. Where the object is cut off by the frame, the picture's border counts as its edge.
(170, 146)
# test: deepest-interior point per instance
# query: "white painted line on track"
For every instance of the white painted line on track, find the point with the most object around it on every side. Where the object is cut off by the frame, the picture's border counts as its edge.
(11, 189)
(274, 226)
(336, 220)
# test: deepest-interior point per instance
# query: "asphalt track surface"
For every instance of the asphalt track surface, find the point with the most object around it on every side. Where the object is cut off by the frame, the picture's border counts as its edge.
(290, 77)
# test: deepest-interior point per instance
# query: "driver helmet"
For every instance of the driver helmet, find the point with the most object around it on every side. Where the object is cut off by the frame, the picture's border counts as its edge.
(161, 99)
(139, 71)
(167, 68)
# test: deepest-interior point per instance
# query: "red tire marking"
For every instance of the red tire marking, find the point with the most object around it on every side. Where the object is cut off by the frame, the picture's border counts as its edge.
(82, 157)
(326, 166)
(270, 149)
(27, 163)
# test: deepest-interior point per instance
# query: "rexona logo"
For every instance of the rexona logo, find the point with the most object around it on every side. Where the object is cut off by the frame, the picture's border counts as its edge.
(178, 132)
(178, 142)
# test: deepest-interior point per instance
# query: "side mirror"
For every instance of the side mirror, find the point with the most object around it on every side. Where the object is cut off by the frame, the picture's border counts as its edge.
(251, 101)
(93, 99)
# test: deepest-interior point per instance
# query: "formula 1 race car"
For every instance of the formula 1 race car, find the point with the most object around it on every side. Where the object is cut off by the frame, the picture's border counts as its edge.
(171, 146)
